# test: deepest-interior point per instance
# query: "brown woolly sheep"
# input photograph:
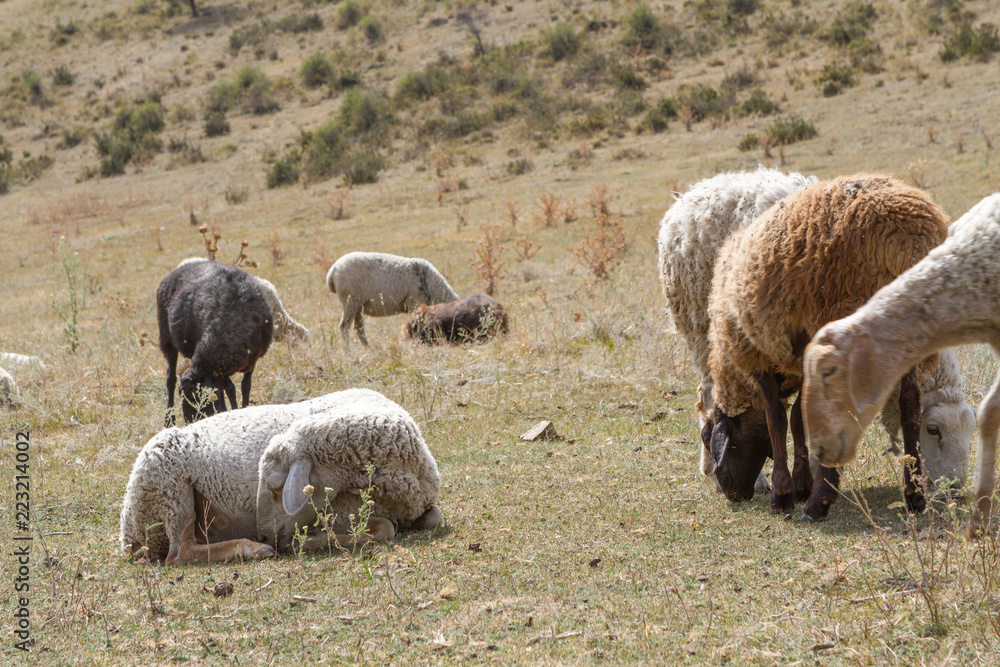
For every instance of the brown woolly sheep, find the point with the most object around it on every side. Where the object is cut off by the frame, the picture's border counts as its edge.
(816, 256)
(474, 319)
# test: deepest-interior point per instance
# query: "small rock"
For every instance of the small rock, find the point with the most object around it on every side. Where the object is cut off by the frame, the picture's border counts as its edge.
(222, 589)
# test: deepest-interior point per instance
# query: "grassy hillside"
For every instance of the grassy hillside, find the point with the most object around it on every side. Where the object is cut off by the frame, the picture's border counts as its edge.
(424, 128)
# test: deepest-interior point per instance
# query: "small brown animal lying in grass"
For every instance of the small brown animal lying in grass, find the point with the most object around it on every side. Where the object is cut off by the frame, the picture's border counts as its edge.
(474, 319)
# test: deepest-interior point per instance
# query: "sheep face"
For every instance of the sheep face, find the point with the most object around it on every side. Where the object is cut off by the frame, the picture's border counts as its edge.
(945, 433)
(196, 389)
(842, 391)
(739, 446)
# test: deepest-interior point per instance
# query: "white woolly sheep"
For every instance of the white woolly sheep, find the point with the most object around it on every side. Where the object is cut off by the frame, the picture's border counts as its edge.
(947, 421)
(234, 485)
(691, 233)
(217, 316)
(284, 326)
(379, 284)
(815, 256)
(9, 395)
(951, 297)
(16, 362)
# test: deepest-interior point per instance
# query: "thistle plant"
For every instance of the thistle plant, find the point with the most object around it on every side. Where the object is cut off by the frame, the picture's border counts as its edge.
(76, 296)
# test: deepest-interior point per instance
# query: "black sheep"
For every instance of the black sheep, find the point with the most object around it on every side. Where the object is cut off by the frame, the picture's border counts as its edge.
(216, 316)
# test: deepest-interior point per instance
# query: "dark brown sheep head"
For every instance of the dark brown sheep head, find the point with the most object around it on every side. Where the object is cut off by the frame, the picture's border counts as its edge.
(193, 386)
(740, 445)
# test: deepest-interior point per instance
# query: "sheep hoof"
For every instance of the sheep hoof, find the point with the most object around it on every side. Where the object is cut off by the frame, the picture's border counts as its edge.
(817, 510)
(915, 502)
(781, 503)
(258, 550)
(805, 518)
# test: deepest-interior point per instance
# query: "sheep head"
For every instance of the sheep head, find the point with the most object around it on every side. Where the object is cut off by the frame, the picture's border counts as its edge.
(945, 433)
(843, 389)
(195, 388)
(739, 446)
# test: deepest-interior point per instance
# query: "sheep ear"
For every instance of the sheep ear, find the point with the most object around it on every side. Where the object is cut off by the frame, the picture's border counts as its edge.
(293, 498)
(864, 377)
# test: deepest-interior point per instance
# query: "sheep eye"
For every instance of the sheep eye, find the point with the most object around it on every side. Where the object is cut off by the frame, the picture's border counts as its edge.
(829, 372)
(933, 429)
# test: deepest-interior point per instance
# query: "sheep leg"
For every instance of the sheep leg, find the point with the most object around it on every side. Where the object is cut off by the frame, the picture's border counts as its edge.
(429, 520)
(909, 417)
(782, 499)
(185, 548)
(801, 472)
(231, 393)
(346, 319)
(244, 388)
(377, 530)
(171, 355)
(989, 422)
(825, 490)
(359, 328)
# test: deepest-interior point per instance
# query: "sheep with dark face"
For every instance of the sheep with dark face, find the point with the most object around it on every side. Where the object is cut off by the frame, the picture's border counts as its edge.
(472, 319)
(216, 316)
(379, 284)
(814, 257)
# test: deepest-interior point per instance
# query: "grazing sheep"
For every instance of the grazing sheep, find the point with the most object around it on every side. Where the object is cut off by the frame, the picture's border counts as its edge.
(951, 297)
(947, 421)
(691, 233)
(816, 256)
(9, 395)
(15, 362)
(217, 316)
(377, 284)
(233, 486)
(473, 318)
(284, 326)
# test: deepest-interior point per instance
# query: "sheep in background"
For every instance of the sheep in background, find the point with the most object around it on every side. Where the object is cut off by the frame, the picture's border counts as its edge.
(217, 316)
(284, 326)
(814, 257)
(9, 395)
(378, 284)
(947, 421)
(691, 234)
(16, 362)
(232, 486)
(951, 297)
(473, 318)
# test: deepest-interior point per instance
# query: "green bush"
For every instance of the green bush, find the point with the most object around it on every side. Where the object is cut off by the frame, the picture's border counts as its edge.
(74, 136)
(561, 42)
(216, 124)
(748, 142)
(852, 22)
(780, 29)
(643, 27)
(628, 79)
(363, 113)
(420, 86)
(758, 104)
(371, 28)
(519, 166)
(133, 135)
(296, 24)
(62, 76)
(834, 77)
(979, 44)
(658, 115)
(349, 15)
(255, 34)
(791, 129)
(316, 71)
(865, 55)
(61, 33)
(704, 101)
(363, 166)
(250, 90)
(283, 172)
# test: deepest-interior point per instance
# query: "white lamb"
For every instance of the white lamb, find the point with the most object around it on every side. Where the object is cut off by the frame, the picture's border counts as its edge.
(235, 485)
(9, 395)
(284, 325)
(379, 284)
(950, 297)
(15, 362)
(691, 234)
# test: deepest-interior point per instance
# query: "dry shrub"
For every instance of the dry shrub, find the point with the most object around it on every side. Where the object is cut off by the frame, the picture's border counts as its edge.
(598, 201)
(526, 249)
(338, 204)
(599, 253)
(512, 211)
(323, 257)
(444, 186)
(271, 243)
(548, 209)
(488, 264)
(569, 212)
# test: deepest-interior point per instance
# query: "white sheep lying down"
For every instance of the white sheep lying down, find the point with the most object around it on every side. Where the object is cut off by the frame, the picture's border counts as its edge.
(233, 485)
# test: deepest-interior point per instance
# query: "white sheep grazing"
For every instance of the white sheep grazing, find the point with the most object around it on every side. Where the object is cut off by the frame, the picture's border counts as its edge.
(379, 284)
(951, 297)
(16, 362)
(947, 421)
(284, 325)
(220, 488)
(9, 395)
(691, 234)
